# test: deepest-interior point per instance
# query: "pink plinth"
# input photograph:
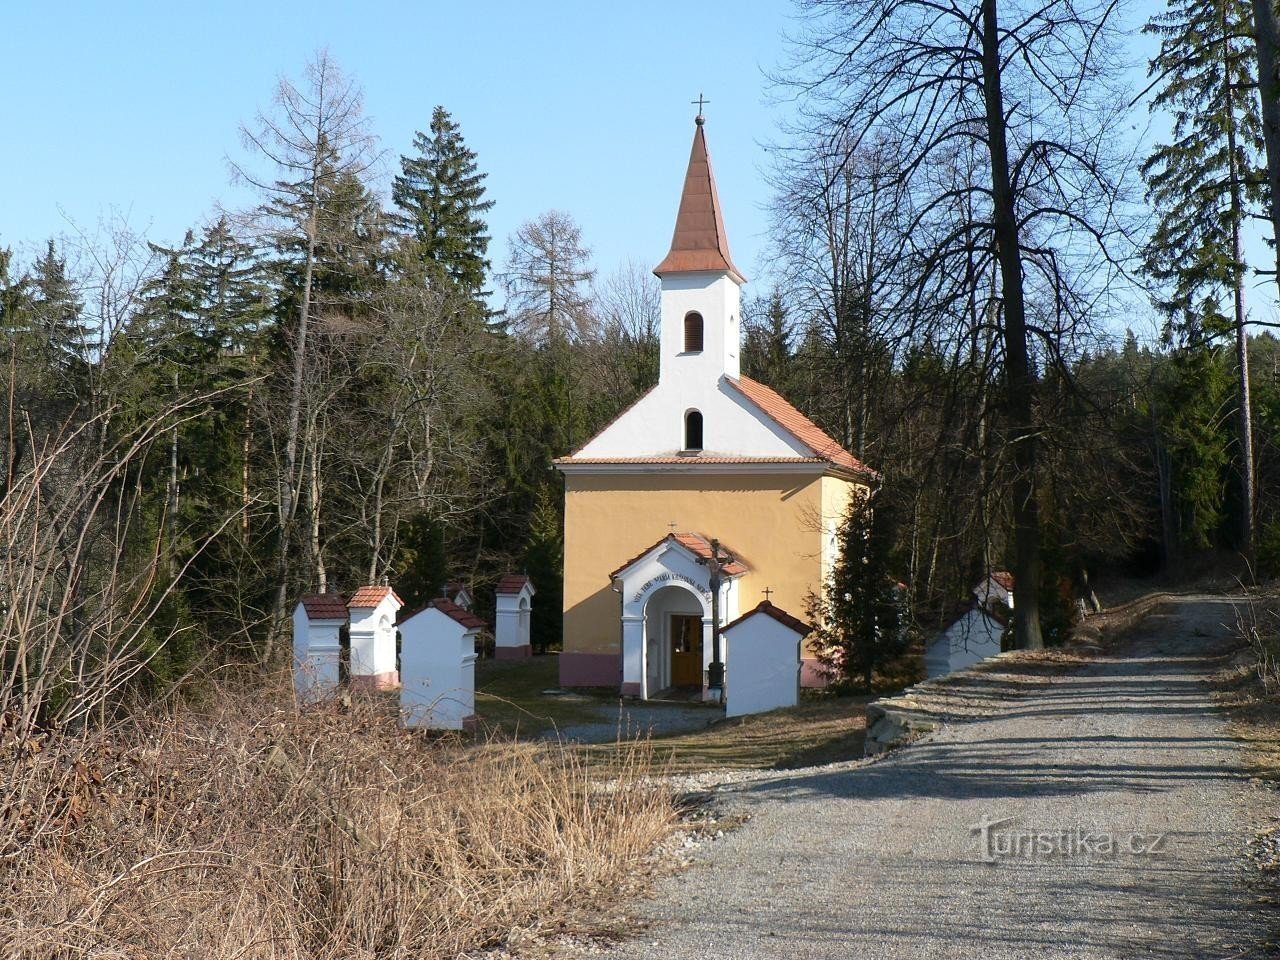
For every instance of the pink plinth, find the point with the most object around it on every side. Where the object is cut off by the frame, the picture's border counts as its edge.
(590, 669)
(513, 653)
(471, 723)
(631, 690)
(813, 675)
(376, 681)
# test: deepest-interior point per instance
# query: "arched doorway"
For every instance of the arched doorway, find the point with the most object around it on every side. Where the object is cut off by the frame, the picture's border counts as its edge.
(673, 628)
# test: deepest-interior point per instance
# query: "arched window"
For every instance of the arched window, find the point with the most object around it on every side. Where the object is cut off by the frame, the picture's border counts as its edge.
(693, 430)
(693, 332)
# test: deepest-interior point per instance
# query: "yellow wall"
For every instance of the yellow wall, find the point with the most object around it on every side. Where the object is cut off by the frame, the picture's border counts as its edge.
(773, 522)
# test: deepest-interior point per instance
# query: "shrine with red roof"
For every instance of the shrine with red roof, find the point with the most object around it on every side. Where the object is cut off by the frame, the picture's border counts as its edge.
(707, 492)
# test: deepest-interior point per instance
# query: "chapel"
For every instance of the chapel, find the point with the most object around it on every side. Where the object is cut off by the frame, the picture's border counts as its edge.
(708, 479)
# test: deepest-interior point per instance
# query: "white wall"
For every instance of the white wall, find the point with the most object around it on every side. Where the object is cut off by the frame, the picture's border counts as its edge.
(972, 638)
(763, 666)
(316, 652)
(437, 671)
(373, 639)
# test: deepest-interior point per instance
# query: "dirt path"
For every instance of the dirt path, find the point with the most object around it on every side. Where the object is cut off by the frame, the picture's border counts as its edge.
(882, 860)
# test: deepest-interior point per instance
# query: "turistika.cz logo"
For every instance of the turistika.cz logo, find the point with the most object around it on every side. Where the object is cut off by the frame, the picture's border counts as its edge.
(998, 841)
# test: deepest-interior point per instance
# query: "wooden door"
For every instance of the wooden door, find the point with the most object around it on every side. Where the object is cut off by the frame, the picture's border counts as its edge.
(686, 651)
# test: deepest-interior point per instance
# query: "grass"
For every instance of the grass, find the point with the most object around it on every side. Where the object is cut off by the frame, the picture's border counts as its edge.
(1249, 687)
(510, 700)
(248, 828)
(822, 729)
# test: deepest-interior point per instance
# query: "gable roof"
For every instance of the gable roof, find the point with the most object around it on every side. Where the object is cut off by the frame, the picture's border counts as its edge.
(777, 613)
(513, 583)
(1004, 578)
(696, 544)
(786, 416)
(699, 242)
(372, 595)
(456, 613)
(324, 606)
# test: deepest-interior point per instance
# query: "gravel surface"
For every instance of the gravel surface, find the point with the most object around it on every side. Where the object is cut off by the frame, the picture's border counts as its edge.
(881, 859)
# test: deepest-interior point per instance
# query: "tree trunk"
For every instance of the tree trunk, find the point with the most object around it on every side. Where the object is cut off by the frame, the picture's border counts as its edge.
(1019, 376)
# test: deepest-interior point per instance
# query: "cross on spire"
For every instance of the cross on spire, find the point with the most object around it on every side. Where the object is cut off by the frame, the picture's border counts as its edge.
(700, 102)
(672, 526)
(768, 592)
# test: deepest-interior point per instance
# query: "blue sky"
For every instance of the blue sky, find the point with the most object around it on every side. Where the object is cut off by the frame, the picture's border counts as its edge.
(578, 106)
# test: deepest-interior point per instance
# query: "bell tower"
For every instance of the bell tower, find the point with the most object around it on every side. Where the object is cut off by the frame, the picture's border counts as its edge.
(701, 287)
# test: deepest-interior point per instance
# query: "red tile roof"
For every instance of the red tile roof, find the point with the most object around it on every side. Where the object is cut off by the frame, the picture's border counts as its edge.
(1003, 577)
(777, 613)
(371, 596)
(511, 583)
(690, 460)
(457, 613)
(699, 241)
(696, 544)
(798, 425)
(324, 606)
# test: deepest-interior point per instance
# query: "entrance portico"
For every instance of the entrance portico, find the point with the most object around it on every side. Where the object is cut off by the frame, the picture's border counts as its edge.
(666, 614)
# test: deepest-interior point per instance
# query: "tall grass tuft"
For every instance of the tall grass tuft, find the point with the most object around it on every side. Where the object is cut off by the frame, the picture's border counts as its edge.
(247, 829)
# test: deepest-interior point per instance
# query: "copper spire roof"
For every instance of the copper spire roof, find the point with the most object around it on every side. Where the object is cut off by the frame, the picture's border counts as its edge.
(699, 242)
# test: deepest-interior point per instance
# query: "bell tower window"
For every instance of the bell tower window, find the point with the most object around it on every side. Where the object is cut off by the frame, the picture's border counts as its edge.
(693, 332)
(693, 430)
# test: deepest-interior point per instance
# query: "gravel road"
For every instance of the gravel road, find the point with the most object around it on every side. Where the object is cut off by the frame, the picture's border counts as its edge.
(881, 860)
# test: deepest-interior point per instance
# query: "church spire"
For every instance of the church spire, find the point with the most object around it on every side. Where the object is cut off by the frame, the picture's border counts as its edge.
(699, 242)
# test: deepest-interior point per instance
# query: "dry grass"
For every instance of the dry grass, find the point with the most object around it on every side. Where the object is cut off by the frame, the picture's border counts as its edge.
(250, 830)
(1250, 686)
(823, 729)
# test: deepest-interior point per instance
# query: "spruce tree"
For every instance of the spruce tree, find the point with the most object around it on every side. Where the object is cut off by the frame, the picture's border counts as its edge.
(1203, 185)
(859, 617)
(56, 310)
(440, 196)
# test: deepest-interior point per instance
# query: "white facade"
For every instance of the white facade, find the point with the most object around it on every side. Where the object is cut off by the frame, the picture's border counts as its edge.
(765, 654)
(697, 381)
(373, 638)
(316, 654)
(437, 670)
(664, 584)
(973, 637)
(512, 615)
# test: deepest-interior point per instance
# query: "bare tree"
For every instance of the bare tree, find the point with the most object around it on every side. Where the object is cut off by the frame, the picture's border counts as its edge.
(1023, 95)
(314, 140)
(546, 277)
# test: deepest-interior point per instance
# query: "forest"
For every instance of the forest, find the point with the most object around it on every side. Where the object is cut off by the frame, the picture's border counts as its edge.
(345, 383)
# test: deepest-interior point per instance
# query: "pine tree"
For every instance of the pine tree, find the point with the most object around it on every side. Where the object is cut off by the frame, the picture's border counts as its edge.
(440, 195)
(1204, 185)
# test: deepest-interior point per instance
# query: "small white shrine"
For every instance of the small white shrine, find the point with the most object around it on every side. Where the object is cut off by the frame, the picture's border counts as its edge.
(762, 656)
(459, 594)
(513, 599)
(973, 636)
(318, 620)
(438, 667)
(373, 610)
(996, 588)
